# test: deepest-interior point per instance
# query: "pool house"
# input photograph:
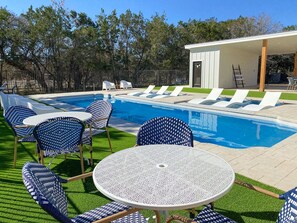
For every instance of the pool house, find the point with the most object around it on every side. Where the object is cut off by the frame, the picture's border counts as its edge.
(211, 63)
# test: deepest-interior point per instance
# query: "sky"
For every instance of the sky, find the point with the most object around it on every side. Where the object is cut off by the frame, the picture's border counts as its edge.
(280, 11)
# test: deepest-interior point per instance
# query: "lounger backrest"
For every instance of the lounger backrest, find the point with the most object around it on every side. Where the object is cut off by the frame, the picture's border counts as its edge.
(162, 90)
(270, 99)
(239, 96)
(176, 91)
(149, 89)
(214, 94)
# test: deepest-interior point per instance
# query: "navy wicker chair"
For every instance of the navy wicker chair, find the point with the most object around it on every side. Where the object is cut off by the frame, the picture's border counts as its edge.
(62, 135)
(101, 111)
(287, 214)
(14, 116)
(46, 189)
(165, 130)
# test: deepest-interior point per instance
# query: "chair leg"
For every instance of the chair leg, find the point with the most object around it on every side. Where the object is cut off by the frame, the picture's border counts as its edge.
(91, 154)
(42, 157)
(15, 151)
(107, 132)
(81, 159)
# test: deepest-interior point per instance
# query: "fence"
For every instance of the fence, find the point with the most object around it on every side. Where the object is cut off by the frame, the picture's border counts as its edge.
(28, 85)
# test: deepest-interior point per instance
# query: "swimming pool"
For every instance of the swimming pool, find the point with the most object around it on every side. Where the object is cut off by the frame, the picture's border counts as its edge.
(207, 126)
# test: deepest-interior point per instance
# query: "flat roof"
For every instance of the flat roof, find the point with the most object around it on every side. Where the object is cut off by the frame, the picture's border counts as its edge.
(278, 43)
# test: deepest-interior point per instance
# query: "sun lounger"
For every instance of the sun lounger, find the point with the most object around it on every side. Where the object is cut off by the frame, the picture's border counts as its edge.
(146, 91)
(210, 99)
(160, 92)
(174, 93)
(125, 84)
(270, 99)
(237, 99)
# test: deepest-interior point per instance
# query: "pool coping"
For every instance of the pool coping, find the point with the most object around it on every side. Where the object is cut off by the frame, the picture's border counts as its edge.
(275, 166)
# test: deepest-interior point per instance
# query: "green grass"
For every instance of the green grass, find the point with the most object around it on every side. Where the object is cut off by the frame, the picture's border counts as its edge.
(16, 205)
(230, 92)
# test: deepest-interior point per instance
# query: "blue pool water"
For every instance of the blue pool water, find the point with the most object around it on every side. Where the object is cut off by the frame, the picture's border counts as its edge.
(220, 129)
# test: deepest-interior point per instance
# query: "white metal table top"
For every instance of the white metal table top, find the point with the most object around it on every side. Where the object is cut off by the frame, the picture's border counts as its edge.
(36, 119)
(163, 177)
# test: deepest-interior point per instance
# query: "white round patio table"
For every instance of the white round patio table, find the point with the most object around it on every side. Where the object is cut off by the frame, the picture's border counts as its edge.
(163, 177)
(37, 119)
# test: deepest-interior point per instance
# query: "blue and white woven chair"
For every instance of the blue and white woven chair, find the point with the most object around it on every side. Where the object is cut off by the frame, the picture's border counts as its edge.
(165, 130)
(46, 189)
(14, 116)
(287, 214)
(101, 111)
(62, 135)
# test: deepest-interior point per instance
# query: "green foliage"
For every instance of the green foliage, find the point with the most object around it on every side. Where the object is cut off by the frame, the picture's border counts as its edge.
(71, 49)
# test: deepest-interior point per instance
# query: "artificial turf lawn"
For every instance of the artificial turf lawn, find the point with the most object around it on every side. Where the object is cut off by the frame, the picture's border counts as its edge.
(16, 205)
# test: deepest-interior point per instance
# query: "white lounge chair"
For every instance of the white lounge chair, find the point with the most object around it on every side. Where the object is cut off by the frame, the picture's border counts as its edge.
(174, 93)
(146, 91)
(237, 99)
(106, 85)
(270, 99)
(159, 92)
(125, 84)
(210, 99)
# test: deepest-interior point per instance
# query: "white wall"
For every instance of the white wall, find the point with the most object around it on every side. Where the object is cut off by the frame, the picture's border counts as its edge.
(248, 62)
(210, 66)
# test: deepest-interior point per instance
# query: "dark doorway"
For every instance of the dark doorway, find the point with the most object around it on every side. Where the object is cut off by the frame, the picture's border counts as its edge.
(197, 68)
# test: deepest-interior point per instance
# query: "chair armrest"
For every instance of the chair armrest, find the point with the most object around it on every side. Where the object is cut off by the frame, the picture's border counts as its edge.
(259, 189)
(100, 119)
(179, 218)
(81, 176)
(21, 126)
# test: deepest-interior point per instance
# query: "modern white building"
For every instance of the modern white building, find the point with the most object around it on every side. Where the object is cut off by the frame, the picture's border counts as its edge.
(211, 62)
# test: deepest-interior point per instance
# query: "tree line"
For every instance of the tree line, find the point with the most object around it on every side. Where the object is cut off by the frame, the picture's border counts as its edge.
(70, 48)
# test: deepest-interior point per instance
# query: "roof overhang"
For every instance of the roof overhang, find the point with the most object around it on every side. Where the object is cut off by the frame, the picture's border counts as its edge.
(278, 43)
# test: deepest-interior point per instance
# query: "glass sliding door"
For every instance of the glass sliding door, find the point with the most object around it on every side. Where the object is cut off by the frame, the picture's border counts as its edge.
(197, 69)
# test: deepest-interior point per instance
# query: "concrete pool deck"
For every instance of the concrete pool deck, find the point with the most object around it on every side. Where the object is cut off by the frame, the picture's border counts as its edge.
(275, 166)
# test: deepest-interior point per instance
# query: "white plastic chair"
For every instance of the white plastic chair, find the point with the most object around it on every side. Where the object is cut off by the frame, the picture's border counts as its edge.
(146, 91)
(106, 85)
(160, 92)
(237, 99)
(125, 84)
(174, 93)
(270, 99)
(292, 83)
(210, 99)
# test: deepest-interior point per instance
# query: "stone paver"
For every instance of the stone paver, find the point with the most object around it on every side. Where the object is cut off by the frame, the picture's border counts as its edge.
(276, 166)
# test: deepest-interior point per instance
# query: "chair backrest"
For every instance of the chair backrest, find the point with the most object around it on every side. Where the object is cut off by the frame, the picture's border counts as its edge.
(288, 212)
(176, 91)
(45, 188)
(4, 102)
(15, 116)
(162, 90)
(58, 135)
(215, 93)
(99, 109)
(165, 130)
(270, 99)
(149, 89)
(239, 96)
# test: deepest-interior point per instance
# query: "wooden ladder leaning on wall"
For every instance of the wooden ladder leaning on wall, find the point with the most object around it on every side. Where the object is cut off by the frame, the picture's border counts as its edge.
(238, 78)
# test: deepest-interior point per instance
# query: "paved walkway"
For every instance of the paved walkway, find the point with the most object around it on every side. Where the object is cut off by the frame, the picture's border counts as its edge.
(276, 166)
